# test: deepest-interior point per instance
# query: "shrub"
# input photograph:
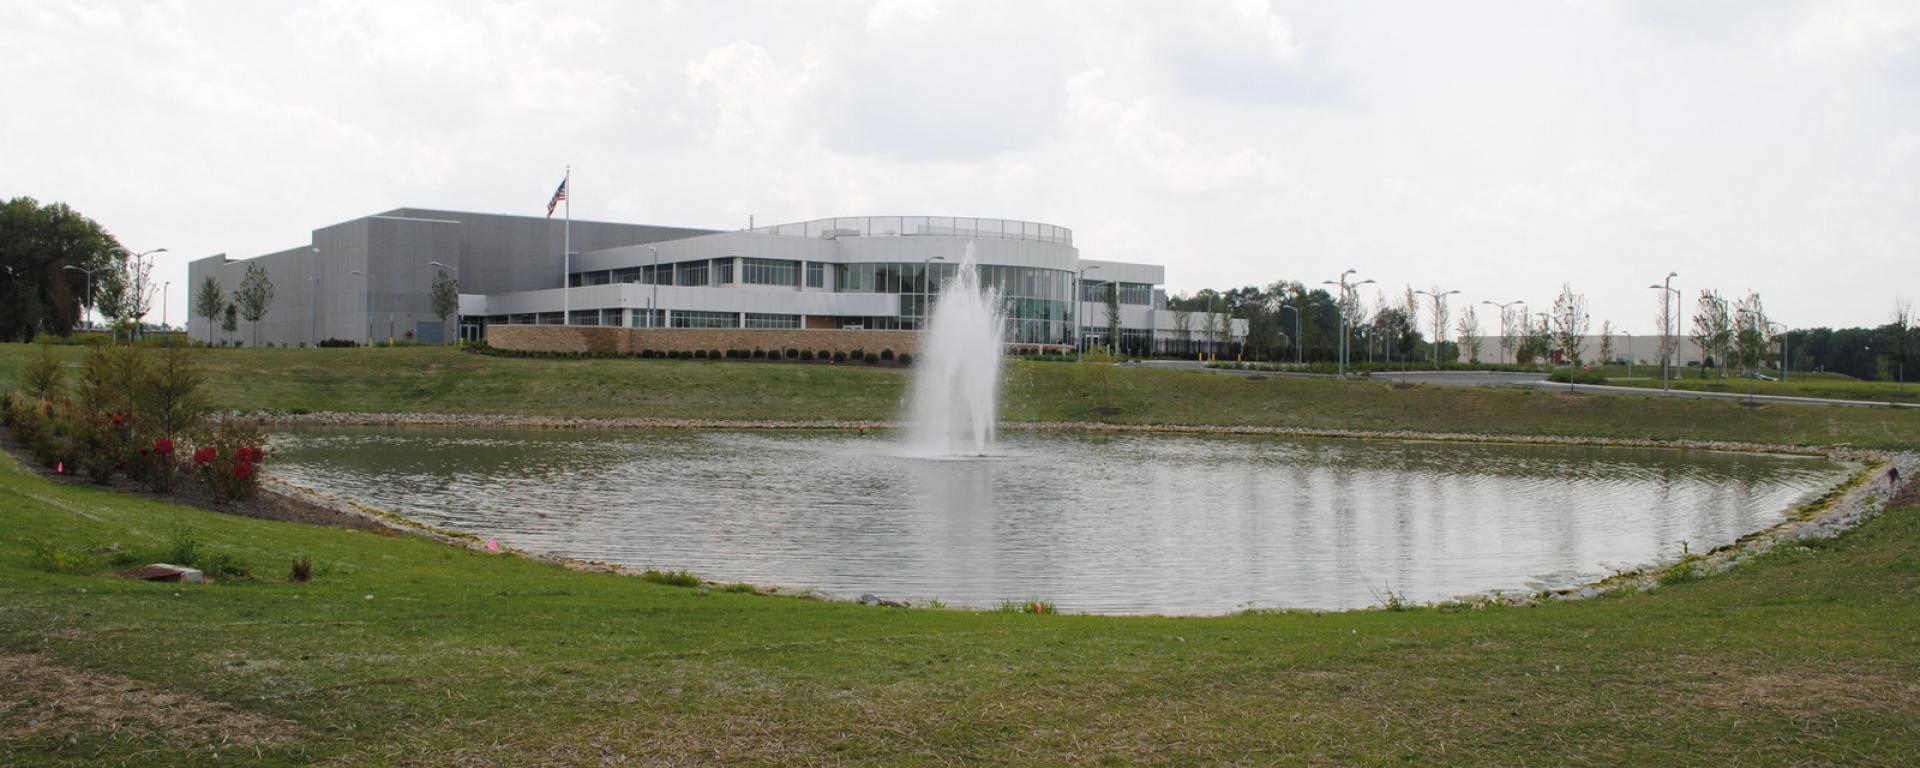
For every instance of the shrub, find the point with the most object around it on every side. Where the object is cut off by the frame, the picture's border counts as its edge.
(733, 354)
(671, 578)
(1566, 375)
(332, 342)
(871, 358)
(792, 353)
(839, 357)
(824, 355)
(906, 358)
(227, 460)
(887, 355)
(858, 354)
(713, 353)
(185, 549)
(759, 354)
(72, 562)
(44, 375)
(302, 569)
(806, 354)
(700, 354)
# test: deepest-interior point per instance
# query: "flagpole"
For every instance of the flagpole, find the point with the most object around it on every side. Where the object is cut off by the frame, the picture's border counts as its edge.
(566, 260)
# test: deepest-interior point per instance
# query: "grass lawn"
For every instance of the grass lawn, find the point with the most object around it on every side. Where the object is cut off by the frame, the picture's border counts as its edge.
(425, 379)
(407, 652)
(1827, 385)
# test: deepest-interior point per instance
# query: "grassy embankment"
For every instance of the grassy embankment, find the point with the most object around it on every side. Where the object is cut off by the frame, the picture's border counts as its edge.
(446, 381)
(1825, 385)
(405, 651)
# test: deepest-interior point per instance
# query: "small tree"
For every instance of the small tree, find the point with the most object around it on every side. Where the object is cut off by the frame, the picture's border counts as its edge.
(1606, 342)
(210, 302)
(1712, 329)
(1440, 314)
(1469, 329)
(1902, 344)
(446, 298)
(44, 374)
(1183, 324)
(254, 297)
(1751, 335)
(167, 396)
(1112, 301)
(230, 321)
(1570, 321)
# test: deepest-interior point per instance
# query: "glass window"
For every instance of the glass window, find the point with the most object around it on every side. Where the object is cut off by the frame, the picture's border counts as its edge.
(766, 320)
(723, 271)
(816, 275)
(687, 318)
(771, 271)
(690, 273)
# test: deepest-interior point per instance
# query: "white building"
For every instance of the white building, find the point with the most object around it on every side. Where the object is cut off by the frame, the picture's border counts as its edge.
(371, 278)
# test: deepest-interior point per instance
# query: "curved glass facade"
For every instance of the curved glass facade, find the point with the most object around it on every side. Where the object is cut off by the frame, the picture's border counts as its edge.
(1036, 301)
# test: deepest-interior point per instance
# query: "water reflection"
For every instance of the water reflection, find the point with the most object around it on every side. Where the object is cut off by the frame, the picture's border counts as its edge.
(1109, 523)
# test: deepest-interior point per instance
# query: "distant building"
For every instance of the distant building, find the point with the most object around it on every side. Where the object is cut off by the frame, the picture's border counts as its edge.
(371, 278)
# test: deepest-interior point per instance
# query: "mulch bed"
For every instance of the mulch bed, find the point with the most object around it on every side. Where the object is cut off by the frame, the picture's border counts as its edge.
(265, 504)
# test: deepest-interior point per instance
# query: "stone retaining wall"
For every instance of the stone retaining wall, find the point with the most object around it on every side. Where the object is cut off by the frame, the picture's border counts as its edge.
(628, 341)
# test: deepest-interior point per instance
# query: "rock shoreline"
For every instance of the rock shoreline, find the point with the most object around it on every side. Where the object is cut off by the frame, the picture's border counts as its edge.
(1863, 494)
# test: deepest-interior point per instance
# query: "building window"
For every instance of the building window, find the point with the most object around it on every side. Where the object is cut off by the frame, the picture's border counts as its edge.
(771, 271)
(723, 271)
(764, 320)
(1136, 293)
(647, 318)
(628, 275)
(693, 319)
(816, 275)
(690, 273)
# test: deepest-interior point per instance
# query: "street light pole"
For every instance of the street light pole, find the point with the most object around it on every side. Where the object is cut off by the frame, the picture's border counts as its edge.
(1666, 329)
(926, 289)
(1439, 332)
(1504, 333)
(653, 304)
(1297, 358)
(1079, 282)
(89, 274)
(1346, 290)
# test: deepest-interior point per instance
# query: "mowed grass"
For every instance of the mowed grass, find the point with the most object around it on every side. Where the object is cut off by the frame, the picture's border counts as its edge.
(1831, 386)
(426, 379)
(407, 652)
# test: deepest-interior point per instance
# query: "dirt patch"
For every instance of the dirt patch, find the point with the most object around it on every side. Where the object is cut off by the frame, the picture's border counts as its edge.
(41, 700)
(1815, 693)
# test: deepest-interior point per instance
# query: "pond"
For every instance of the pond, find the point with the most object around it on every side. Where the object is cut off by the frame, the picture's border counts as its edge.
(1098, 523)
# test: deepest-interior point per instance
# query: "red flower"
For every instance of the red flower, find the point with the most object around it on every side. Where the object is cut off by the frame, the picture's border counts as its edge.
(205, 455)
(242, 470)
(119, 418)
(163, 446)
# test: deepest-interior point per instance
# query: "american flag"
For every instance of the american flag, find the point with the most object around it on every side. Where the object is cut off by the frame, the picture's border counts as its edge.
(558, 196)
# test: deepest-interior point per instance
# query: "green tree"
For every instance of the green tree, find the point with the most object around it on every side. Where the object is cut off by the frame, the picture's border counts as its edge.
(210, 303)
(37, 244)
(446, 300)
(1112, 302)
(254, 297)
(1570, 321)
(231, 321)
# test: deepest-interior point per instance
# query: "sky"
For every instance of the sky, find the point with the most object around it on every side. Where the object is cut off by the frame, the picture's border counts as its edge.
(1500, 149)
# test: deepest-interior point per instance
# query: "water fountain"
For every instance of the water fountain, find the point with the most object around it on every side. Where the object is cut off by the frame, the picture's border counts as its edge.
(955, 400)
